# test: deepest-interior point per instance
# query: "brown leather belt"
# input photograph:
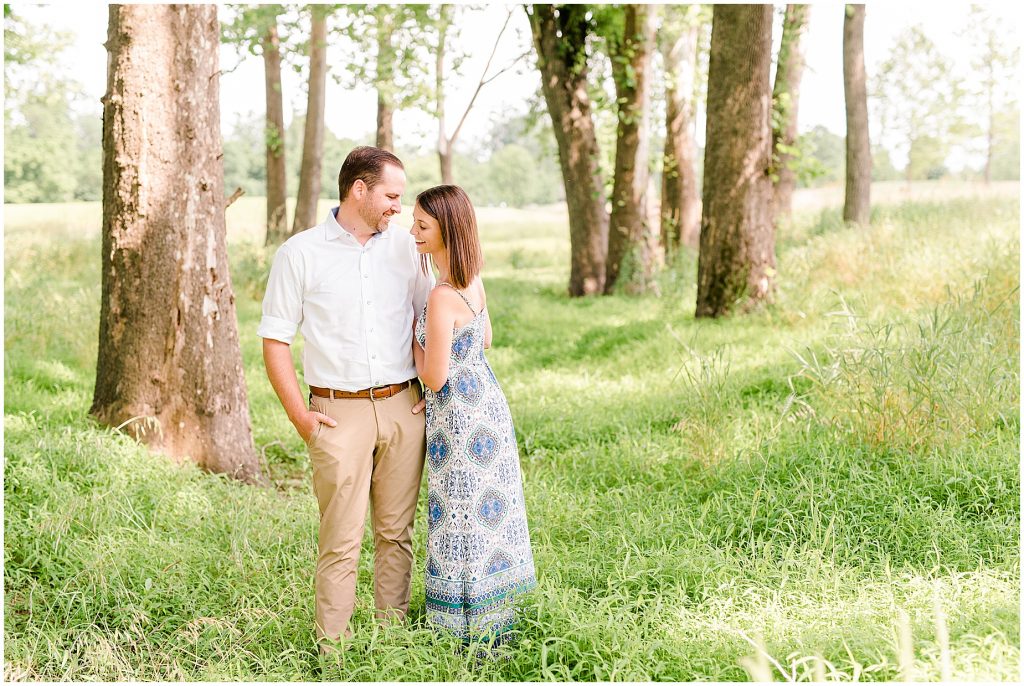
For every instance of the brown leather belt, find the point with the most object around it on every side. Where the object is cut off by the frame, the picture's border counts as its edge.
(375, 393)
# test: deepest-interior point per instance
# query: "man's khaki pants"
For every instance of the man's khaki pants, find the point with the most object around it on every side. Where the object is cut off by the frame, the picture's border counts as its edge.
(374, 455)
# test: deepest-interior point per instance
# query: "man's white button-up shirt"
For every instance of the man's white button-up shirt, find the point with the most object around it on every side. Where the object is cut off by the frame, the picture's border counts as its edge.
(354, 304)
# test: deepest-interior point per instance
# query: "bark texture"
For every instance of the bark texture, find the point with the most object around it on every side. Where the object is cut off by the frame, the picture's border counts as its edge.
(857, 205)
(560, 42)
(169, 370)
(786, 101)
(736, 267)
(313, 136)
(277, 184)
(632, 244)
(680, 202)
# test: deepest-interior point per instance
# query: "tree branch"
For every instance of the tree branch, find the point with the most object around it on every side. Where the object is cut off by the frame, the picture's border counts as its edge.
(483, 79)
(233, 197)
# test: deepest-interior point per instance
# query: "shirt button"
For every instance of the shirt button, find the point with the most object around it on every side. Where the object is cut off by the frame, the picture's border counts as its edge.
(369, 302)
(366, 276)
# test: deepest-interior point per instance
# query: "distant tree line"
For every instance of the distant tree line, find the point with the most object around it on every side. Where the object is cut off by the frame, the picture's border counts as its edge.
(53, 142)
(515, 166)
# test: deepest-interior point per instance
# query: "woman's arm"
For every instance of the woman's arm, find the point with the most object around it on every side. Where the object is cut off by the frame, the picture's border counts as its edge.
(432, 363)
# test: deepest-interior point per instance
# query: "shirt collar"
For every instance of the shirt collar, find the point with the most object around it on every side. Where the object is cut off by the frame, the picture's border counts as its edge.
(335, 230)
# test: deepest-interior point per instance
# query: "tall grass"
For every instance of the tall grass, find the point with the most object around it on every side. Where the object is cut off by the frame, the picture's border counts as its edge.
(827, 489)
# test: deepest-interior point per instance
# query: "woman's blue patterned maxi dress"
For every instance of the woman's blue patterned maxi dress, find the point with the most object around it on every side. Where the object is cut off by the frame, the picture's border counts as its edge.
(478, 545)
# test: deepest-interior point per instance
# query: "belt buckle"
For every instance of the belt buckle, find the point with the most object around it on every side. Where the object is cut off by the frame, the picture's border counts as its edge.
(373, 398)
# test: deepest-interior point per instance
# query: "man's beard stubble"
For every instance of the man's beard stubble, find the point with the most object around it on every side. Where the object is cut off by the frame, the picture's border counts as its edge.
(374, 218)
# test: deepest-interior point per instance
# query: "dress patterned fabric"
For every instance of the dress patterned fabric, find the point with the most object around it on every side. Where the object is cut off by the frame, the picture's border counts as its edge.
(478, 545)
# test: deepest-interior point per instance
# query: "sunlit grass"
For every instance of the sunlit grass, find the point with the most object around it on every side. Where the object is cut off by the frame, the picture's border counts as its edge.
(789, 494)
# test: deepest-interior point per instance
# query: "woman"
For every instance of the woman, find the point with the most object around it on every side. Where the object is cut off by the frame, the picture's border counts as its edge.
(478, 545)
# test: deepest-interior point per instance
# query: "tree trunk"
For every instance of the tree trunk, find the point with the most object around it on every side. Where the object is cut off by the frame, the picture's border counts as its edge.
(385, 139)
(444, 152)
(277, 184)
(786, 101)
(736, 266)
(560, 42)
(632, 247)
(857, 206)
(445, 157)
(680, 203)
(385, 78)
(313, 136)
(169, 369)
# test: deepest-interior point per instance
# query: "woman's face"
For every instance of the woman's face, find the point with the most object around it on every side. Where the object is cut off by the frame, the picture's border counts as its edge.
(426, 231)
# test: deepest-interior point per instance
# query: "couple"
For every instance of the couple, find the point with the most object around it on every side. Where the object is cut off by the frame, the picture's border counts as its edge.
(352, 285)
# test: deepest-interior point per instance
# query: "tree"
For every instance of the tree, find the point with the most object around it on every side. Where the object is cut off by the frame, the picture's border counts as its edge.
(313, 138)
(736, 265)
(444, 21)
(244, 163)
(823, 156)
(1005, 161)
(785, 107)
(42, 162)
(680, 201)
(256, 29)
(995, 61)
(40, 157)
(631, 245)
(385, 136)
(918, 94)
(857, 203)
(390, 52)
(560, 41)
(273, 134)
(169, 369)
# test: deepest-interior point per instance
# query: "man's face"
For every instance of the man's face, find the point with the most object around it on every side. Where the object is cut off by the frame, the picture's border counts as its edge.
(384, 200)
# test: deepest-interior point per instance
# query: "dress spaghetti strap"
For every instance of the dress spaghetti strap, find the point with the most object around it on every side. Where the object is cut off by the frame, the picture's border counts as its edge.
(459, 293)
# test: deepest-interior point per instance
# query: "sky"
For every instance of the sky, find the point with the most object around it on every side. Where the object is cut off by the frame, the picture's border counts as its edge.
(351, 113)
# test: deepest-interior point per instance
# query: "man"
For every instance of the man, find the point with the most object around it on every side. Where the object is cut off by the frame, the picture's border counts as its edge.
(351, 286)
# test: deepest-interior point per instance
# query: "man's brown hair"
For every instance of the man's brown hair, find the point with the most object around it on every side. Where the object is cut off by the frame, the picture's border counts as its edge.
(367, 163)
(451, 207)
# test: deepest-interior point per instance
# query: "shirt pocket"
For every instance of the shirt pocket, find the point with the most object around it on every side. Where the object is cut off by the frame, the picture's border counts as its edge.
(335, 310)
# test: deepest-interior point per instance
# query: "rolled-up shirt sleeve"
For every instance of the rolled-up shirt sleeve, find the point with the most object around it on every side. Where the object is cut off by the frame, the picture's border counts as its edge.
(282, 302)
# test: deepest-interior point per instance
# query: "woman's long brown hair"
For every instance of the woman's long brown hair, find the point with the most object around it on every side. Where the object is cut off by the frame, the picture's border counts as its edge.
(452, 209)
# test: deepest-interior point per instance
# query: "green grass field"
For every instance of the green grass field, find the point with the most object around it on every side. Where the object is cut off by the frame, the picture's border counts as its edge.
(826, 489)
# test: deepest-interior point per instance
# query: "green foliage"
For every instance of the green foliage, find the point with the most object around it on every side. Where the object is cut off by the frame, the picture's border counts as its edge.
(245, 162)
(823, 159)
(40, 152)
(1006, 151)
(519, 169)
(246, 27)
(918, 96)
(694, 489)
(88, 131)
(334, 152)
(927, 155)
(882, 168)
(50, 153)
(391, 51)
